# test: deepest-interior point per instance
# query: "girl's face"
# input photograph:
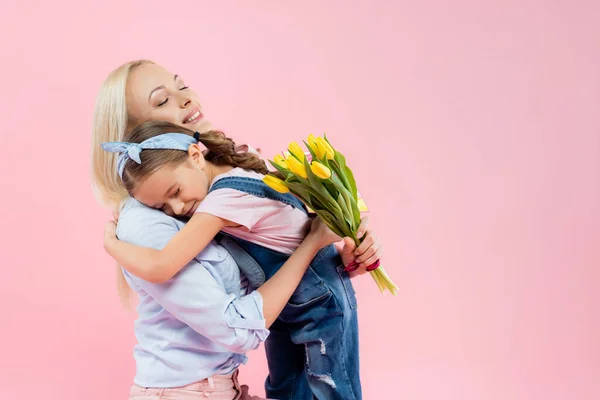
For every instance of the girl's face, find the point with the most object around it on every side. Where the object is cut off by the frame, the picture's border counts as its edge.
(155, 94)
(177, 190)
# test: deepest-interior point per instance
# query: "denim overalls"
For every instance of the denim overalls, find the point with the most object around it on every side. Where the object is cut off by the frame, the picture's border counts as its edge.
(312, 350)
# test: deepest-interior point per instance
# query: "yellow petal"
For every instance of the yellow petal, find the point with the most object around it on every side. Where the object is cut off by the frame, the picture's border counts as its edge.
(296, 150)
(319, 150)
(276, 184)
(314, 146)
(320, 170)
(279, 160)
(296, 167)
(326, 147)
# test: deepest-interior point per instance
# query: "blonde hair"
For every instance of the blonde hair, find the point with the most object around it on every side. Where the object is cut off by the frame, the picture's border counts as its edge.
(110, 123)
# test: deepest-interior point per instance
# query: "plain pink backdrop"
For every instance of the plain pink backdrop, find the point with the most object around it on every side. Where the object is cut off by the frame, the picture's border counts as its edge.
(474, 132)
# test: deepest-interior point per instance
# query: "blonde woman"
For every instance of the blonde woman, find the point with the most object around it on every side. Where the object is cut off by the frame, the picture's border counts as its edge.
(210, 305)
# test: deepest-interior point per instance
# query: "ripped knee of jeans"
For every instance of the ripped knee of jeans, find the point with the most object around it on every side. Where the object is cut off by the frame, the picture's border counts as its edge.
(325, 378)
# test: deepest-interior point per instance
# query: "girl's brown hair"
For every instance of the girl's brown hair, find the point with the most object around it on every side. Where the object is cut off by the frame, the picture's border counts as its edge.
(221, 150)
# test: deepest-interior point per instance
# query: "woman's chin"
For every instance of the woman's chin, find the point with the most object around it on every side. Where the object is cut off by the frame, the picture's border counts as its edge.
(201, 126)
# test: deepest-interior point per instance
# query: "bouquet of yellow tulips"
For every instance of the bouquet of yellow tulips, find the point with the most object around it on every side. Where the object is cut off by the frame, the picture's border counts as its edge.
(326, 185)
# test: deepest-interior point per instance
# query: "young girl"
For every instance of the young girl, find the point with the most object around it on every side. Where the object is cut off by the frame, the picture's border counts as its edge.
(312, 349)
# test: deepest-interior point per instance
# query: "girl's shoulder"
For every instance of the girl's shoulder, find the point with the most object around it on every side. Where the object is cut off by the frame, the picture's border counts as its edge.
(239, 172)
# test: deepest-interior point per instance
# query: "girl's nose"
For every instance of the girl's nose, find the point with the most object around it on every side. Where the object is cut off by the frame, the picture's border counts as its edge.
(178, 207)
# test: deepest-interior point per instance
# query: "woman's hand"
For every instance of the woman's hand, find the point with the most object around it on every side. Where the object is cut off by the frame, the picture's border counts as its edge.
(110, 233)
(369, 251)
(110, 230)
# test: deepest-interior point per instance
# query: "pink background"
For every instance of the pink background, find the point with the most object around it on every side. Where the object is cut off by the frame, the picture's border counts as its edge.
(474, 132)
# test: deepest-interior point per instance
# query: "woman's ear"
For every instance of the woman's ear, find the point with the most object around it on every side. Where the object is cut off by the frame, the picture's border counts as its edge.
(196, 157)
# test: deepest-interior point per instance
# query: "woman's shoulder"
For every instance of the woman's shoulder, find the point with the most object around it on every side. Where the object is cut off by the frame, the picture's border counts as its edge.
(133, 213)
(145, 226)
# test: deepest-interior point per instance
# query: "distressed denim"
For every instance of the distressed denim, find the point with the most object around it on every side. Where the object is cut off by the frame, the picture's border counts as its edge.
(312, 349)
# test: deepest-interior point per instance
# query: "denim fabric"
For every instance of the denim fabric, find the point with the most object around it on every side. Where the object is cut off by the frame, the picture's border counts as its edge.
(312, 349)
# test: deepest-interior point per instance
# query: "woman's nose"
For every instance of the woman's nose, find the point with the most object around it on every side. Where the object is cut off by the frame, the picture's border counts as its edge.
(184, 101)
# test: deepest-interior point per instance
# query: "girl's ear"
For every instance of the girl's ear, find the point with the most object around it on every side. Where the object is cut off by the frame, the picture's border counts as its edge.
(196, 157)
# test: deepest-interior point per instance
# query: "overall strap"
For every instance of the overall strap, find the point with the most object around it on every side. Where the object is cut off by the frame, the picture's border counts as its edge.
(257, 187)
(245, 262)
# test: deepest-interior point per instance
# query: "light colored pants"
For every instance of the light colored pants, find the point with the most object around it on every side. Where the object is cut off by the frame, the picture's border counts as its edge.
(217, 387)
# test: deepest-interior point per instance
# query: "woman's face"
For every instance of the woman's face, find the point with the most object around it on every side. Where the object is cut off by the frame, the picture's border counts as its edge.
(155, 94)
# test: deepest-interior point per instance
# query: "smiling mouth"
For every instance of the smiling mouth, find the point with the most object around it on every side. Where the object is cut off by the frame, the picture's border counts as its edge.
(193, 117)
(190, 211)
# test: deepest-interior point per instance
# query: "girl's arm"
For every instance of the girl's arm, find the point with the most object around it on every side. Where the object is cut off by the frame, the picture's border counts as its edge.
(276, 291)
(158, 266)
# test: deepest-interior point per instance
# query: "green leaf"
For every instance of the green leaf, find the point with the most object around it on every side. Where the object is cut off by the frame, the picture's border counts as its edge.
(351, 204)
(355, 212)
(293, 179)
(346, 212)
(347, 174)
(310, 150)
(325, 162)
(326, 202)
(341, 173)
(303, 196)
(303, 192)
(316, 205)
(328, 218)
(279, 168)
(344, 203)
(352, 183)
(333, 191)
(329, 201)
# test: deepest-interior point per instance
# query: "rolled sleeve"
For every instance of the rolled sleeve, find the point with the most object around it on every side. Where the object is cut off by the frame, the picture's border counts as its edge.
(193, 295)
(197, 300)
(247, 313)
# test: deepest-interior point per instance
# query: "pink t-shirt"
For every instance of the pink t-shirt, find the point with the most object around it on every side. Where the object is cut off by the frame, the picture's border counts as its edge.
(266, 222)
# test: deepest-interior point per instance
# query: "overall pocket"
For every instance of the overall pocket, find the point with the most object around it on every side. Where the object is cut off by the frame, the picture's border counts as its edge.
(311, 289)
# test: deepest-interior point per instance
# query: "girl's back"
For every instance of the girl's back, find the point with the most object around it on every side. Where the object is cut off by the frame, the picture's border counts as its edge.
(263, 221)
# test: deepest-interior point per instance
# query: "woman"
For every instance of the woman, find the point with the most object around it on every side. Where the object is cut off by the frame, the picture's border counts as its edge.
(141, 91)
(193, 331)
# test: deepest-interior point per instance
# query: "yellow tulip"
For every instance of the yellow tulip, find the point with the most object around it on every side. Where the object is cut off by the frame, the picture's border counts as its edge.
(279, 160)
(320, 170)
(296, 150)
(311, 140)
(276, 184)
(314, 146)
(328, 150)
(296, 167)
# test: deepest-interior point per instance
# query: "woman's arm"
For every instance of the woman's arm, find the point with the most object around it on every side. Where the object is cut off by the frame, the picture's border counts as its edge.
(158, 266)
(194, 296)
